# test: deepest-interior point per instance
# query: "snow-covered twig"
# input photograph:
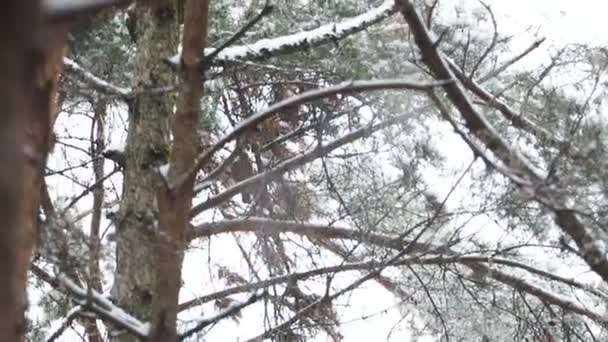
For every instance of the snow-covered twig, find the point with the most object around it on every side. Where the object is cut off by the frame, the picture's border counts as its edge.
(96, 303)
(97, 83)
(208, 59)
(72, 314)
(265, 48)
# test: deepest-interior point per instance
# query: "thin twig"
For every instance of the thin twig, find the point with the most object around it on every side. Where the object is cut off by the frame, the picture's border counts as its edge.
(510, 62)
(232, 310)
(69, 318)
(493, 42)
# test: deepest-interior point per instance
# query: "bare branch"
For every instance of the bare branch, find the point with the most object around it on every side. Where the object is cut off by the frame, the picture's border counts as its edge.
(294, 162)
(265, 226)
(510, 62)
(516, 119)
(492, 45)
(261, 225)
(105, 87)
(314, 231)
(230, 311)
(342, 88)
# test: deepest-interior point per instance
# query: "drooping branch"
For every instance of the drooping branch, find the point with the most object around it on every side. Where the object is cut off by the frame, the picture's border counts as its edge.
(328, 33)
(592, 248)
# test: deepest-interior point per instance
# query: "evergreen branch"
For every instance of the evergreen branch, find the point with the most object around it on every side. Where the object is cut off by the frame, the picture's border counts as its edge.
(267, 48)
(593, 248)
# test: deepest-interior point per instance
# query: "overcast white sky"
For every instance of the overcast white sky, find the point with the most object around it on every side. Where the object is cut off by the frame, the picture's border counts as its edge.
(560, 20)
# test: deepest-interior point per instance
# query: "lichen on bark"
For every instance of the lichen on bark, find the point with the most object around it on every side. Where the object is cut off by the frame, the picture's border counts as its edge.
(148, 132)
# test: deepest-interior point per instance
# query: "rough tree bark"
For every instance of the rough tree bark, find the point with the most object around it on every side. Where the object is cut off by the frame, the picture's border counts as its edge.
(29, 67)
(134, 285)
(175, 204)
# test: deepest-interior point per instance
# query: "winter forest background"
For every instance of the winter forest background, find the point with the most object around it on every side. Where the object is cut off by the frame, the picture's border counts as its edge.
(251, 170)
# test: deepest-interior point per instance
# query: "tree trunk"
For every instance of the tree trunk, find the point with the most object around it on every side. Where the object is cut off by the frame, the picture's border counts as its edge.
(147, 149)
(28, 84)
(175, 204)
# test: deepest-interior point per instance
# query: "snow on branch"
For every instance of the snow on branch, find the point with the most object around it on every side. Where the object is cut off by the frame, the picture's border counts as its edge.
(302, 40)
(92, 300)
(63, 10)
(97, 83)
(69, 318)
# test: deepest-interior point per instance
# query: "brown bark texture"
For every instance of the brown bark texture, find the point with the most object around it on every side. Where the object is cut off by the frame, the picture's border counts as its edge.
(134, 287)
(175, 204)
(30, 63)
